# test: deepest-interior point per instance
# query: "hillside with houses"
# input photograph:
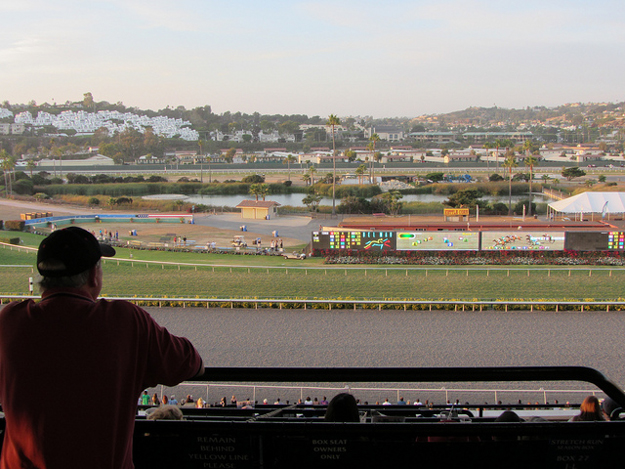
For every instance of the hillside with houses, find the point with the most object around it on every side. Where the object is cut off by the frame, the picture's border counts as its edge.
(100, 133)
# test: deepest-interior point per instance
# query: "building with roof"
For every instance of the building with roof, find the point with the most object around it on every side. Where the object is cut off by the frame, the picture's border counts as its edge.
(258, 209)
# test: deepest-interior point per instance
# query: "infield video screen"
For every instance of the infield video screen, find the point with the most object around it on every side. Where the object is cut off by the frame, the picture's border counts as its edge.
(595, 240)
(523, 240)
(354, 240)
(437, 240)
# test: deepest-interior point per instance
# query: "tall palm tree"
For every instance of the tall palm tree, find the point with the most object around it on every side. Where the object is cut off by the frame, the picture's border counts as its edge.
(7, 166)
(488, 146)
(510, 162)
(311, 171)
(333, 121)
(498, 144)
(371, 146)
(288, 160)
(530, 161)
(31, 165)
(201, 158)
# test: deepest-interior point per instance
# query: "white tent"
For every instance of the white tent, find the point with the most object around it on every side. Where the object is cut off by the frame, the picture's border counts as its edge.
(602, 203)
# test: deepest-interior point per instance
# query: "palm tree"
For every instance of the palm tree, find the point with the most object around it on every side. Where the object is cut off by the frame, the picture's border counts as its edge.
(498, 144)
(7, 167)
(288, 160)
(31, 165)
(312, 201)
(259, 190)
(332, 122)
(510, 162)
(371, 146)
(255, 190)
(530, 161)
(264, 190)
(488, 146)
(360, 172)
(210, 174)
(201, 157)
(311, 172)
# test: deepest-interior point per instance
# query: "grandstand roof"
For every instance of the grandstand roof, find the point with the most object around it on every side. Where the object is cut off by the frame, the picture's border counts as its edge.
(592, 202)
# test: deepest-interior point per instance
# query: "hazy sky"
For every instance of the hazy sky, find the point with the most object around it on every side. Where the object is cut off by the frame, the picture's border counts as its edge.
(346, 57)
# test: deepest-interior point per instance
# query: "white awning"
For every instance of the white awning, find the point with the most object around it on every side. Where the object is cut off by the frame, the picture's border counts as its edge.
(591, 202)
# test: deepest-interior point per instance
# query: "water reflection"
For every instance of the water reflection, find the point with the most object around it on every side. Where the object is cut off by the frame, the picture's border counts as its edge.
(295, 200)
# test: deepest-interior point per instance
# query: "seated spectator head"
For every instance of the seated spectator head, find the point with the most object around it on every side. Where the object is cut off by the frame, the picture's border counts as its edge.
(509, 416)
(165, 412)
(342, 408)
(589, 410)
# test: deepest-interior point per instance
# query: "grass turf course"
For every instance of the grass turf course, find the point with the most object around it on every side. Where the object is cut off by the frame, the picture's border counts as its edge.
(229, 276)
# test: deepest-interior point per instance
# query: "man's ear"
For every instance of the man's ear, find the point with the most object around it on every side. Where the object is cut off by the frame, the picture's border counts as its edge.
(93, 276)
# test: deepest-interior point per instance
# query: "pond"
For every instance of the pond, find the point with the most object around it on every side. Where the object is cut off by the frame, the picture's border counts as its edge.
(295, 200)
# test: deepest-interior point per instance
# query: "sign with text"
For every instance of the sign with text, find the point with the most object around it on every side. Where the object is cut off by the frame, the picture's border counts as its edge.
(456, 212)
(354, 240)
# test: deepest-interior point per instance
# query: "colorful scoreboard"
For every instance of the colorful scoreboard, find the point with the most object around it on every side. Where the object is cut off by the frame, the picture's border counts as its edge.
(616, 240)
(438, 241)
(354, 240)
(523, 240)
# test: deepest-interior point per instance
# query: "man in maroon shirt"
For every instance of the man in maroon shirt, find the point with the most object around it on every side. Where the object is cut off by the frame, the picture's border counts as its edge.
(71, 344)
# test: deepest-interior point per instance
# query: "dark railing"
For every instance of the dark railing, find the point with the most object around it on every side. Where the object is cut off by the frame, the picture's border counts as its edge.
(395, 436)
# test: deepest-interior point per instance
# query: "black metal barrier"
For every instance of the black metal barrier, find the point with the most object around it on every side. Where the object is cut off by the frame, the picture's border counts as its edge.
(297, 436)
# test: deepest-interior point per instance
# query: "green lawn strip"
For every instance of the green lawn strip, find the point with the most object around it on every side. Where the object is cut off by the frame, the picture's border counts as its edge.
(154, 280)
(238, 276)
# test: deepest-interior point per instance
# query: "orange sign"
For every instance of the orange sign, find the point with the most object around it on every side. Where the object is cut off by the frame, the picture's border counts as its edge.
(454, 212)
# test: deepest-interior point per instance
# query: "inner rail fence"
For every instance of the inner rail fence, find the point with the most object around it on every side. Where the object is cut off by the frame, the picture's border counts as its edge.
(476, 396)
(415, 375)
(379, 305)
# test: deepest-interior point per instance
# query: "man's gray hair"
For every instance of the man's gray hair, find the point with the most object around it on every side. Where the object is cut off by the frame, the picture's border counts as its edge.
(71, 281)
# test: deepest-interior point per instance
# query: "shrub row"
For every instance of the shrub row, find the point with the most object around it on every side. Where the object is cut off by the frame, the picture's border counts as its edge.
(611, 258)
(410, 304)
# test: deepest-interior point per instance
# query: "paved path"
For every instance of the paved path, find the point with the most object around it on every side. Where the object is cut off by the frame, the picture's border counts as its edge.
(297, 227)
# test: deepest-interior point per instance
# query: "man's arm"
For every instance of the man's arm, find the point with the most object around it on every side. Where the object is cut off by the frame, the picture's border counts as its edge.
(200, 372)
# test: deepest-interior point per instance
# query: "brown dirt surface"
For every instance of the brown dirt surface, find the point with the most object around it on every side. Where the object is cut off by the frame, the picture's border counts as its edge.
(146, 232)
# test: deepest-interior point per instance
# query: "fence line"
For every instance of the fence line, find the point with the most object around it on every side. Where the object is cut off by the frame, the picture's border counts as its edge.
(330, 304)
(450, 393)
(355, 267)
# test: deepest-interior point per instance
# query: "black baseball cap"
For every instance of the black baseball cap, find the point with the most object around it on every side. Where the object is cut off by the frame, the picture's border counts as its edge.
(75, 248)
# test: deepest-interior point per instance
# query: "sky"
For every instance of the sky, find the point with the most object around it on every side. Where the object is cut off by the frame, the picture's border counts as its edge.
(392, 58)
